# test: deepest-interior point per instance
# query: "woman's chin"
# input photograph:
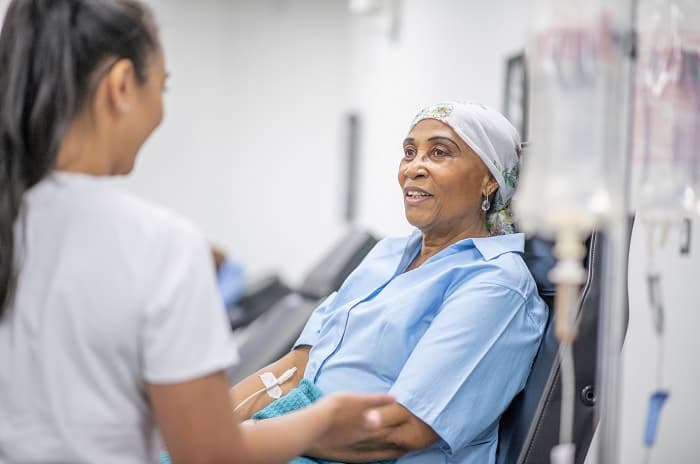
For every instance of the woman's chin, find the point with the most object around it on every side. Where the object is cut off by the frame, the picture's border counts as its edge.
(124, 168)
(417, 222)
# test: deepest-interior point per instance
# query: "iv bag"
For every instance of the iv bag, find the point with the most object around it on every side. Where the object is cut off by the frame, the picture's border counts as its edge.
(686, 146)
(690, 105)
(667, 121)
(572, 166)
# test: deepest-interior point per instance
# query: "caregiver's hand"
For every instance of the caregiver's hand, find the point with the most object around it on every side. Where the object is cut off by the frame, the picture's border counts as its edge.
(351, 417)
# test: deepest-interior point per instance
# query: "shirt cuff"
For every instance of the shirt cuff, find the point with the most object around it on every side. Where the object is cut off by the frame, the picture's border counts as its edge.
(309, 336)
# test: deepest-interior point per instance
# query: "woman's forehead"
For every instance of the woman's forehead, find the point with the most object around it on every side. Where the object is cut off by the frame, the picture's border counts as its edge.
(428, 128)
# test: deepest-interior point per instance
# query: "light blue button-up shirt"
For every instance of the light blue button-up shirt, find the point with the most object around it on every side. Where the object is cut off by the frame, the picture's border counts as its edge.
(453, 340)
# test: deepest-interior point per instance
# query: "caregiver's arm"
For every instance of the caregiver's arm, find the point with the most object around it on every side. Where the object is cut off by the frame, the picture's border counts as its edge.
(401, 432)
(298, 358)
(197, 427)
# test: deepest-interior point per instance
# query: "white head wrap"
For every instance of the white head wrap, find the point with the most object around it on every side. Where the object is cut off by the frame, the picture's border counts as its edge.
(489, 134)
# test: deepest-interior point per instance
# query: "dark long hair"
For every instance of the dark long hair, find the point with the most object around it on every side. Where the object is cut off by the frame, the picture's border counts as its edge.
(50, 53)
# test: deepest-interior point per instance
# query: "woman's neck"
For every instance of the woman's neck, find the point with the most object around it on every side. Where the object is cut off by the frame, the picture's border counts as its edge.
(434, 242)
(81, 151)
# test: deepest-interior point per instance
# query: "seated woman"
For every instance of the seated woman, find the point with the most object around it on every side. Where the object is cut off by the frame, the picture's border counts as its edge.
(448, 319)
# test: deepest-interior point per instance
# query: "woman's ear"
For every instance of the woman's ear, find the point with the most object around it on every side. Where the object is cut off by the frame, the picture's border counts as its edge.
(493, 186)
(490, 185)
(121, 86)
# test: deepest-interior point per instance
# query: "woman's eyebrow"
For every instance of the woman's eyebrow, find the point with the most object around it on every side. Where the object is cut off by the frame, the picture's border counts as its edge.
(440, 137)
(408, 140)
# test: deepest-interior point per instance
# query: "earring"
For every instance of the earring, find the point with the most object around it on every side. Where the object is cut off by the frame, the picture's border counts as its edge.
(486, 204)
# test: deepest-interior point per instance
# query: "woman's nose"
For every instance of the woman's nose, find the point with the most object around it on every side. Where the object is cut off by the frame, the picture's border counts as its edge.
(415, 167)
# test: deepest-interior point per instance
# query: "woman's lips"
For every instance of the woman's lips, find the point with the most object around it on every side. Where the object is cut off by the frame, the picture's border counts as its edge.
(415, 195)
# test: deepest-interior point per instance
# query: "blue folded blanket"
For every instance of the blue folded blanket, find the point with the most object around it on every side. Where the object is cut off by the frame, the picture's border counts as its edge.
(298, 398)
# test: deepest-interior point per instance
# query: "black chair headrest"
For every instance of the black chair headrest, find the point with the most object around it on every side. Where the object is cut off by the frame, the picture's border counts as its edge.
(540, 259)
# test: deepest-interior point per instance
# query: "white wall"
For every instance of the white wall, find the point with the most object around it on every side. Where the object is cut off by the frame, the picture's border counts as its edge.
(250, 148)
(677, 440)
(447, 49)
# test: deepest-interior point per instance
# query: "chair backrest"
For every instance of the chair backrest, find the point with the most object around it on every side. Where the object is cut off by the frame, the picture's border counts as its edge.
(273, 333)
(529, 428)
(328, 274)
(259, 296)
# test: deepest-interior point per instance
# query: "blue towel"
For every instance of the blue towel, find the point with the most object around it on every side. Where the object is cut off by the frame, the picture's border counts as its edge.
(298, 398)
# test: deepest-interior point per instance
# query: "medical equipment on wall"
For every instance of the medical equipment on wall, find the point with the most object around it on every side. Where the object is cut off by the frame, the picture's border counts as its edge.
(666, 156)
(656, 303)
(576, 57)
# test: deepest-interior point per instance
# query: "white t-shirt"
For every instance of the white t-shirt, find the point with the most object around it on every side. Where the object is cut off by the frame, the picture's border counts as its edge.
(112, 293)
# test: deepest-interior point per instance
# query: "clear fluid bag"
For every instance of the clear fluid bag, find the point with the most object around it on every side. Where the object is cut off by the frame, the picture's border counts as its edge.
(571, 167)
(666, 156)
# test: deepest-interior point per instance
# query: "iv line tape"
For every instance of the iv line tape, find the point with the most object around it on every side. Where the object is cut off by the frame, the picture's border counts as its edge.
(272, 385)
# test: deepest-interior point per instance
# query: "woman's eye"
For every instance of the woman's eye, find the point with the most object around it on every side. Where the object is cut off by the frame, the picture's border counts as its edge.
(439, 152)
(409, 152)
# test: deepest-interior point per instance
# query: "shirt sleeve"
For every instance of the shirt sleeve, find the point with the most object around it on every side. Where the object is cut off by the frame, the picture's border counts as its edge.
(185, 333)
(470, 363)
(312, 329)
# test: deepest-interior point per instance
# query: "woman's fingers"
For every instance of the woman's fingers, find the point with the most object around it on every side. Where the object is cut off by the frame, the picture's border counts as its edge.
(354, 416)
(373, 419)
(377, 400)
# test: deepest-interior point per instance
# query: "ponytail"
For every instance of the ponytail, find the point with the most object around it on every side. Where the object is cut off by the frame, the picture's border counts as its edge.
(50, 51)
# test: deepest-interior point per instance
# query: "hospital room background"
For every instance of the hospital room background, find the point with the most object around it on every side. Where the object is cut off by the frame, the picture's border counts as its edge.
(254, 150)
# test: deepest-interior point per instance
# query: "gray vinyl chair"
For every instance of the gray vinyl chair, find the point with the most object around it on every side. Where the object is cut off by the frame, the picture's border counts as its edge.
(272, 334)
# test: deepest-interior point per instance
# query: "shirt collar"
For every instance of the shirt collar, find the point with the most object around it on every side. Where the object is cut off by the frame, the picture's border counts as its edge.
(489, 247)
(492, 247)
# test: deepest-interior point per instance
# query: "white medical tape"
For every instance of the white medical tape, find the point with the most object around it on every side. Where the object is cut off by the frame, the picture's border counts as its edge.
(271, 385)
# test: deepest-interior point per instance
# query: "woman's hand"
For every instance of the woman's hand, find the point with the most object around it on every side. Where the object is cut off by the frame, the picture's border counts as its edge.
(351, 417)
(396, 432)
(339, 419)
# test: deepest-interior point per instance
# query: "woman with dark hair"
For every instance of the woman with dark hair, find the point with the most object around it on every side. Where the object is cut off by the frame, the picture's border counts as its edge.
(94, 356)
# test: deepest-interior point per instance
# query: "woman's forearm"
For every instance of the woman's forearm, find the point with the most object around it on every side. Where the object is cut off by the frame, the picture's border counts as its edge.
(335, 420)
(401, 432)
(358, 452)
(291, 435)
(251, 384)
(377, 448)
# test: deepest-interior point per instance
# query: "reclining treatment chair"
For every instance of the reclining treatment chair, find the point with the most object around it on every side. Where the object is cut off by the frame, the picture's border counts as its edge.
(529, 428)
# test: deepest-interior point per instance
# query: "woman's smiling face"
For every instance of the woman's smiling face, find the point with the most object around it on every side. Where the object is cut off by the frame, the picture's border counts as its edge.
(443, 180)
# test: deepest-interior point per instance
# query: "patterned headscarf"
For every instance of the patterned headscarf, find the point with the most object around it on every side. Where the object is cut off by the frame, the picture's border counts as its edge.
(495, 141)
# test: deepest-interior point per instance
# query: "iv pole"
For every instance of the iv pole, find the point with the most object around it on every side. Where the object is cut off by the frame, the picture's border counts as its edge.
(614, 272)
